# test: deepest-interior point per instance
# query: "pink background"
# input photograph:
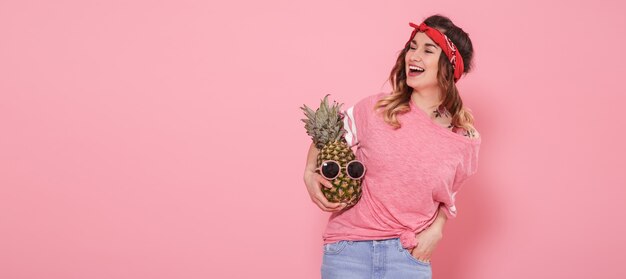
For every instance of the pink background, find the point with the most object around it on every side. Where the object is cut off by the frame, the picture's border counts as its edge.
(162, 139)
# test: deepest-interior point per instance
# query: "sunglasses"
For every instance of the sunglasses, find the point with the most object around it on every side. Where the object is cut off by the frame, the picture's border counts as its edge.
(330, 169)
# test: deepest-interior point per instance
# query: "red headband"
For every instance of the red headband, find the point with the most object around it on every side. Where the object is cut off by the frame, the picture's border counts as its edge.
(445, 43)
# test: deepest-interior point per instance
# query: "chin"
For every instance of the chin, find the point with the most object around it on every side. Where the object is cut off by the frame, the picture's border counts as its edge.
(422, 84)
(413, 85)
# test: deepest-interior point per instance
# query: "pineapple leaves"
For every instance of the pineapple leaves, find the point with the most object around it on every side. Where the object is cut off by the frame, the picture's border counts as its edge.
(324, 125)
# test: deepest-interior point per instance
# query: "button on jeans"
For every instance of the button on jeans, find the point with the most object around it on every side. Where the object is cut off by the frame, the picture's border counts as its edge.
(386, 258)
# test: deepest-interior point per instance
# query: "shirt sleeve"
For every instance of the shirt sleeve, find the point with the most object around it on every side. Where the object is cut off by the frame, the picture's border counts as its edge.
(349, 126)
(464, 171)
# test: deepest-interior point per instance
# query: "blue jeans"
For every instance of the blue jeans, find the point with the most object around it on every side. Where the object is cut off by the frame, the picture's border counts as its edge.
(372, 259)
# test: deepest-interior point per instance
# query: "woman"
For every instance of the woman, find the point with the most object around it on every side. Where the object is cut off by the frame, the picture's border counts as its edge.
(419, 146)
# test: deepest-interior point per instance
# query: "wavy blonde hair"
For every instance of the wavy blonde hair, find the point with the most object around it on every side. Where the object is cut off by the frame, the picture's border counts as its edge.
(398, 100)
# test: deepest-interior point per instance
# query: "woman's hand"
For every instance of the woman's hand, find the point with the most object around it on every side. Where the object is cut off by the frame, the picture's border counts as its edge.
(427, 241)
(314, 181)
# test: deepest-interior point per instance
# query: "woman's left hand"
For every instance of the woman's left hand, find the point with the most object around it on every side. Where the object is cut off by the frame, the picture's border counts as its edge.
(427, 241)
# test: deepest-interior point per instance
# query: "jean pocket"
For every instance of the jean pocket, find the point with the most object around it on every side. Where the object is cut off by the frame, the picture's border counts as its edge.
(407, 253)
(335, 247)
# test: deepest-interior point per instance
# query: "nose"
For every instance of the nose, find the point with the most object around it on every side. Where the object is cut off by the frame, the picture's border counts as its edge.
(415, 56)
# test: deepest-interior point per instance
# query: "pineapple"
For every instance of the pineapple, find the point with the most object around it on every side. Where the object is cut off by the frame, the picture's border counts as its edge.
(325, 126)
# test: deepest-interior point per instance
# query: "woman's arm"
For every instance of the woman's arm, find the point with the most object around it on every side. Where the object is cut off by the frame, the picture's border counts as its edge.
(441, 219)
(311, 160)
(315, 181)
(428, 239)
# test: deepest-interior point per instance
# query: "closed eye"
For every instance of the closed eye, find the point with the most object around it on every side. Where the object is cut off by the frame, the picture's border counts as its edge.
(428, 51)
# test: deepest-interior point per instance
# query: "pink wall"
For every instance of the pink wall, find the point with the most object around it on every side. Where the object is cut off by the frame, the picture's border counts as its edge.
(162, 139)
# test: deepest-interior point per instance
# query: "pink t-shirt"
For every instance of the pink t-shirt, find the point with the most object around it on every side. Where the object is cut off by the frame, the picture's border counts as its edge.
(410, 171)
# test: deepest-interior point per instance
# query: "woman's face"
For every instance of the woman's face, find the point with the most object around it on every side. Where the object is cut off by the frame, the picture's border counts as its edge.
(423, 53)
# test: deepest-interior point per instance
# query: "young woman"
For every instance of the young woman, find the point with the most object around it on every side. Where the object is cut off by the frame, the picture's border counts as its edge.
(419, 145)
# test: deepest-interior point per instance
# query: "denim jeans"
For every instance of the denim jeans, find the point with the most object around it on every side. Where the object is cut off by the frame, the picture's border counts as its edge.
(371, 259)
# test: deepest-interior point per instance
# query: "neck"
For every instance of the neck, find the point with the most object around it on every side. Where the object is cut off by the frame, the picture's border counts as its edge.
(428, 100)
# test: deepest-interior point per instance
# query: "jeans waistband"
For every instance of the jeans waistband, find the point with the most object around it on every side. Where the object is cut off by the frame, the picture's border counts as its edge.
(378, 241)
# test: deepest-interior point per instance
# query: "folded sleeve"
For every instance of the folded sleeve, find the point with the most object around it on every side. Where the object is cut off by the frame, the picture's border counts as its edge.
(464, 171)
(448, 198)
(349, 126)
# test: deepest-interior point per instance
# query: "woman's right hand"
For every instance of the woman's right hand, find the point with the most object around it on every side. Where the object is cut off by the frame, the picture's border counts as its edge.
(314, 181)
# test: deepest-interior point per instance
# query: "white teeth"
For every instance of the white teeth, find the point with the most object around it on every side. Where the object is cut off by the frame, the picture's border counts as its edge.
(415, 68)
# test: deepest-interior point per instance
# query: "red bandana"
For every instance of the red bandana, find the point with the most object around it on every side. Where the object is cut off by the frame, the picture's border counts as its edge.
(445, 43)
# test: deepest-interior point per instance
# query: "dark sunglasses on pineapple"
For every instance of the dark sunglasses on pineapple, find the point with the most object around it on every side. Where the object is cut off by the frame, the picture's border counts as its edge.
(330, 169)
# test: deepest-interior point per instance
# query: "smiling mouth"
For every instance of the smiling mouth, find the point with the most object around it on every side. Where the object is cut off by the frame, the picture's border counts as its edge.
(415, 69)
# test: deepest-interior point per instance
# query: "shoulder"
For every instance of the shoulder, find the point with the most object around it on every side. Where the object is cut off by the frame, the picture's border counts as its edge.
(364, 104)
(372, 98)
(370, 101)
(378, 96)
(472, 134)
